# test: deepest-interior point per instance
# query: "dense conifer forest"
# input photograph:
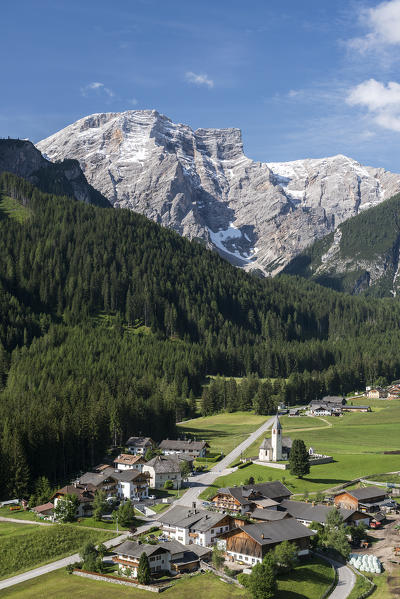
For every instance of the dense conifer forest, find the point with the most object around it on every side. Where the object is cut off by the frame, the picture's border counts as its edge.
(109, 325)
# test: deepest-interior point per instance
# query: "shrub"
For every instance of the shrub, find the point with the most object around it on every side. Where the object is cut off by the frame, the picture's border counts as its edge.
(244, 465)
(168, 484)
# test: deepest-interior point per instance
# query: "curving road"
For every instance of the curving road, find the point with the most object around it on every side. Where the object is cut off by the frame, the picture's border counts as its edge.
(346, 579)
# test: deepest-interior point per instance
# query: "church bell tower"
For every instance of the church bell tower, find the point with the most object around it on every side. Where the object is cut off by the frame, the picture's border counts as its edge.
(276, 440)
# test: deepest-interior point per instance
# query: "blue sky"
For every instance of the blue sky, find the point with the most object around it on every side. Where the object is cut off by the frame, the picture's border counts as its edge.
(301, 79)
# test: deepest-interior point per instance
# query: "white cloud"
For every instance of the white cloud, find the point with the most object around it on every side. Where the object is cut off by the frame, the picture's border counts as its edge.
(96, 86)
(383, 23)
(381, 101)
(199, 79)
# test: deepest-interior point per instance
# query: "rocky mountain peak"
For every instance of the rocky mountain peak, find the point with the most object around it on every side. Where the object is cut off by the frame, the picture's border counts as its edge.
(199, 182)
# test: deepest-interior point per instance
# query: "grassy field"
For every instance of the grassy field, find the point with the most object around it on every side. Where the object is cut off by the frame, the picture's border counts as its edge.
(222, 431)
(356, 442)
(60, 585)
(14, 209)
(308, 581)
(23, 547)
(5, 512)
(103, 524)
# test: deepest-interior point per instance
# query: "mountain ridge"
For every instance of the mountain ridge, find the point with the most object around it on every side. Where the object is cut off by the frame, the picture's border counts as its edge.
(258, 215)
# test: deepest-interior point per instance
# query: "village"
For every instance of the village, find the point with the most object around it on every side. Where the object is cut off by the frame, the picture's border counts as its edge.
(176, 533)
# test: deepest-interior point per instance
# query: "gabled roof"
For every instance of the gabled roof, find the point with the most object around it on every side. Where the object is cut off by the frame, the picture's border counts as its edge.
(271, 490)
(136, 549)
(164, 463)
(140, 441)
(45, 507)
(286, 443)
(268, 533)
(309, 512)
(85, 493)
(196, 520)
(180, 445)
(128, 459)
(365, 493)
(269, 515)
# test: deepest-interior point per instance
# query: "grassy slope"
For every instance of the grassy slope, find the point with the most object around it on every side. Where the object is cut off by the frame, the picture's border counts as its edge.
(306, 582)
(23, 547)
(223, 431)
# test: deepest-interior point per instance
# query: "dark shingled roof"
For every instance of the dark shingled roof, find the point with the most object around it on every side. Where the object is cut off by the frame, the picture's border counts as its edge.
(268, 533)
(197, 520)
(179, 445)
(270, 490)
(139, 441)
(306, 511)
(165, 463)
(135, 549)
(268, 515)
(286, 443)
(364, 493)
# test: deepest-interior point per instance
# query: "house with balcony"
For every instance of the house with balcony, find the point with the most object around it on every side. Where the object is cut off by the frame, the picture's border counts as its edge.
(126, 484)
(250, 543)
(127, 461)
(139, 445)
(128, 554)
(241, 500)
(191, 525)
(85, 494)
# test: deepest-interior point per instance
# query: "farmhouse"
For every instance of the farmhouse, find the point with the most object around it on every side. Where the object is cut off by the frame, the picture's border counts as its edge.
(305, 513)
(129, 484)
(163, 468)
(365, 498)
(186, 558)
(139, 445)
(128, 555)
(85, 494)
(377, 393)
(44, 510)
(195, 526)
(127, 461)
(276, 448)
(197, 449)
(244, 499)
(250, 543)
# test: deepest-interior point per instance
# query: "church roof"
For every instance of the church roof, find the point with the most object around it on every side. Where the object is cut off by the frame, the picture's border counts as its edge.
(286, 443)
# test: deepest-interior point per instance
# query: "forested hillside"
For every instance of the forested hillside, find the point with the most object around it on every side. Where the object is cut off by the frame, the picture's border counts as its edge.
(110, 323)
(361, 256)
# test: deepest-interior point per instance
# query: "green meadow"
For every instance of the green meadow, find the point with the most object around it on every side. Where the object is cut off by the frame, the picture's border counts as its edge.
(222, 431)
(356, 442)
(26, 546)
(13, 209)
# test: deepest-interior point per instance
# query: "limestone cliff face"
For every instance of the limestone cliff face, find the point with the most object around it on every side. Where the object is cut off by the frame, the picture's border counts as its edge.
(200, 183)
(21, 158)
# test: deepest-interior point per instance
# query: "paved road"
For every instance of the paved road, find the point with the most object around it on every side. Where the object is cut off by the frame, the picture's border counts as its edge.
(346, 580)
(197, 484)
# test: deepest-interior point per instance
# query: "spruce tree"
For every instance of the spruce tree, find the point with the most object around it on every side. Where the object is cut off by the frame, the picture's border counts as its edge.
(299, 460)
(143, 573)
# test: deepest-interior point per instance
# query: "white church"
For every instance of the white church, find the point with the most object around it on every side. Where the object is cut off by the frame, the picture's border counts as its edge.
(277, 448)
